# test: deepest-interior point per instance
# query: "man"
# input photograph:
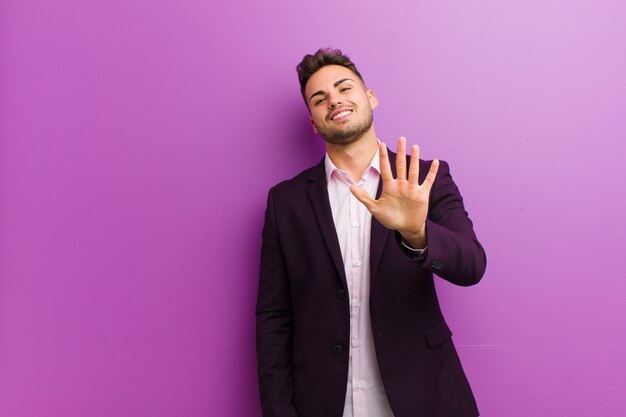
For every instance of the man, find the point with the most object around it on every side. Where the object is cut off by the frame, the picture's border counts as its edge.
(348, 322)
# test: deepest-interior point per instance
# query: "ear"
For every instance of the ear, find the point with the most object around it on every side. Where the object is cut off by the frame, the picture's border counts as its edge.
(313, 126)
(371, 96)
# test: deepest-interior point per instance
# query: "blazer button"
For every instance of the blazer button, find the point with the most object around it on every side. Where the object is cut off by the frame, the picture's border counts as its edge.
(436, 265)
(341, 293)
(338, 349)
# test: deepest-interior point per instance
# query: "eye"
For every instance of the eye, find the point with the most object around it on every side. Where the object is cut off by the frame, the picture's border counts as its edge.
(319, 101)
(343, 89)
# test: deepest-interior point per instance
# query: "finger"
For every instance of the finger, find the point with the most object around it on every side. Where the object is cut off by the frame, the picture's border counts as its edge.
(363, 197)
(401, 159)
(414, 167)
(385, 167)
(432, 173)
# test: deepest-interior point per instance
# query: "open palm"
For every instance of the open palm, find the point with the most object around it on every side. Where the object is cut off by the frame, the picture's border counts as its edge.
(403, 203)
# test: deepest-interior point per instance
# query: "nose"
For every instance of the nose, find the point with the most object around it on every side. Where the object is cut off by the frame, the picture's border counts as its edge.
(334, 100)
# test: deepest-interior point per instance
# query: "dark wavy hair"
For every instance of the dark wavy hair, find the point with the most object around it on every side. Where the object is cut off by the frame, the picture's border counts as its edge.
(310, 64)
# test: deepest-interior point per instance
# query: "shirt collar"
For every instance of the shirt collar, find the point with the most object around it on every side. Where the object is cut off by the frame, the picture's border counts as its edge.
(330, 167)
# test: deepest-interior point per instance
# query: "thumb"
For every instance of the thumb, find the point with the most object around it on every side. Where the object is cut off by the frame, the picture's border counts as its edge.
(363, 196)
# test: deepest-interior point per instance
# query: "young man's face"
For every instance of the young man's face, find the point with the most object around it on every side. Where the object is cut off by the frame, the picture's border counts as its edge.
(340, 106)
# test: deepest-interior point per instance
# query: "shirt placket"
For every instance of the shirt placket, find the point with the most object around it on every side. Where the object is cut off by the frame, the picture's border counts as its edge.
(357, 300)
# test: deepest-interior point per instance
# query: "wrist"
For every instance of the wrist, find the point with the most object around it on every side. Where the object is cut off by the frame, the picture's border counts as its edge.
(416, 239)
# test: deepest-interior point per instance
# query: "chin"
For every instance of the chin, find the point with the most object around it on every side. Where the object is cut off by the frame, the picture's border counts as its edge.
(342, 139)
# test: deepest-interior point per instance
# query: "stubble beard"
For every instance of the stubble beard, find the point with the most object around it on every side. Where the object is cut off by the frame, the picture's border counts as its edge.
(338, 136)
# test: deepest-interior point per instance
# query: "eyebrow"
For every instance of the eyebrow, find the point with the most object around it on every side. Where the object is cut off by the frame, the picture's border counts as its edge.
(317, 93)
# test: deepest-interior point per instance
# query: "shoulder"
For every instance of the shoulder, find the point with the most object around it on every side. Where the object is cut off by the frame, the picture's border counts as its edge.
(298, 183)
(425, 165)
(443, 172)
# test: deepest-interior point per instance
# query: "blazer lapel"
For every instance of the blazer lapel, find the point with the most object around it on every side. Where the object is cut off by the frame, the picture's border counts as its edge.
(378, 238)
(318, 194)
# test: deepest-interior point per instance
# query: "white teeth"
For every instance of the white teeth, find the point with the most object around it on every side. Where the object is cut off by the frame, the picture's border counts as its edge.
(343, 113)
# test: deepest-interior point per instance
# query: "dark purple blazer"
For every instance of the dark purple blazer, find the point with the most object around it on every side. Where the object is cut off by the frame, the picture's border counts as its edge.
(303, 313)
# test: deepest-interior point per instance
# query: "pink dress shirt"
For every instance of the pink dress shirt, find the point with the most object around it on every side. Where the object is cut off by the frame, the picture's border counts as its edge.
(365, 396)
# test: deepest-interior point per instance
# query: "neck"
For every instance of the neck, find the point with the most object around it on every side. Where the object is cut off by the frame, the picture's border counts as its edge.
(355, 157)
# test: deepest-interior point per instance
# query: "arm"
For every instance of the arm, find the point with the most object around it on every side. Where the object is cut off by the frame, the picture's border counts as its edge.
(430, 215)
(454, 253)
(274, 325)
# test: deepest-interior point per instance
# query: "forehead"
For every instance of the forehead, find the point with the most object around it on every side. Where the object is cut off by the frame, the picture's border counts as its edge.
(324, 78)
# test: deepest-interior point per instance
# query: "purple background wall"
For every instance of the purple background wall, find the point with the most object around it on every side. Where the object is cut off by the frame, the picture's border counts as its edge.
(138, 140)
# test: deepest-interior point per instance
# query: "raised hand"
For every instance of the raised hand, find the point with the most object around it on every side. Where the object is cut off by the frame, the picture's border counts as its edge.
(403, 203)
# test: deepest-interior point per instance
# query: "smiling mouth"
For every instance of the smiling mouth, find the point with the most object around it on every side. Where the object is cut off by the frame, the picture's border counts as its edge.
(341, 115)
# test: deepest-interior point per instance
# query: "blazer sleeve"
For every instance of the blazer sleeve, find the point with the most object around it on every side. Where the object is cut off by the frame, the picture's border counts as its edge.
(274, 324)
(454, 252)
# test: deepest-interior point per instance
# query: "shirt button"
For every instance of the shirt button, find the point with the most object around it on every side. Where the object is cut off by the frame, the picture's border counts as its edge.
(341, 293)
(356, 303)
(355, 224)
(355, 342)
(357, 263)
(338, 349)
